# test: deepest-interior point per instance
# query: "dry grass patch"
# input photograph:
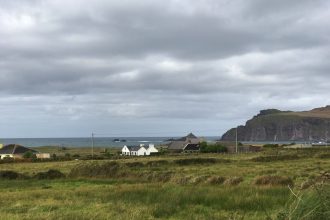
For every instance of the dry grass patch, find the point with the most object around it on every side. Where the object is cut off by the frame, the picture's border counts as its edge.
(273, 181)
(233, 181)
(216, 180)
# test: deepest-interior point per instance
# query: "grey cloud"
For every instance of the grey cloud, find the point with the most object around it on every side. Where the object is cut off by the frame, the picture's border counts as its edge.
(190, 63)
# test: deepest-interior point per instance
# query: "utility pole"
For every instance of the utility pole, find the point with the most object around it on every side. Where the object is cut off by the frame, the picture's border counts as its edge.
(236, 141)
(326, 135)
(92, 145)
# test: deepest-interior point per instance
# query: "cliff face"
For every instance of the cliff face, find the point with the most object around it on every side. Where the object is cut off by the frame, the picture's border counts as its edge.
(276, 125)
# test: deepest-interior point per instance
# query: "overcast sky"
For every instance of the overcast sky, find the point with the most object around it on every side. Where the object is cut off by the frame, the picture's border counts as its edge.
(155, 67)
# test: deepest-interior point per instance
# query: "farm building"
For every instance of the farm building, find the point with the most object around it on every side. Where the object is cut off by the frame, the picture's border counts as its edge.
(141, 150)
(189, 143)
(14, 151)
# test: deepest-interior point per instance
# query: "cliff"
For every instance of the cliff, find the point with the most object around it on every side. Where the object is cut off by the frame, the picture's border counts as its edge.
(276, 125)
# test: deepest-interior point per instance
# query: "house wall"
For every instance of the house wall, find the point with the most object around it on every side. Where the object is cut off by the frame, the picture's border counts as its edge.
(43, 156)
(125, 151)
(151, 149)
(142, 152)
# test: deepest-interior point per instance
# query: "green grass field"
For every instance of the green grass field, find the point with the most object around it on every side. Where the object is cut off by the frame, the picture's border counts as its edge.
(200, 186)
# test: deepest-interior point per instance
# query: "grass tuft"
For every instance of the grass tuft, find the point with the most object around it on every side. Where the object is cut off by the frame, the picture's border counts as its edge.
(273, 181)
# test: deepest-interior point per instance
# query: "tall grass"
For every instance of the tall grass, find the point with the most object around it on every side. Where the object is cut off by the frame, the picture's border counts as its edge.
(63, 199)
(313, 204)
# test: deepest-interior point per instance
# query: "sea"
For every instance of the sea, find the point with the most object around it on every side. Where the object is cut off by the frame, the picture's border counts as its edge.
(87, 141)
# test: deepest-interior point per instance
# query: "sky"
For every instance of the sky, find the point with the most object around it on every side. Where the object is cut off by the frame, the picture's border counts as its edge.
(155, 67)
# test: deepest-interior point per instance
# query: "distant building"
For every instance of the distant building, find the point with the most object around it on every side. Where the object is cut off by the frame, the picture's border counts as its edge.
(189, 143)
(14, 151)
(141, 150)
(43, 155)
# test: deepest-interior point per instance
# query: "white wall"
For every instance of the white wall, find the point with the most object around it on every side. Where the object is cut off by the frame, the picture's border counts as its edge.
(125, 151)
(151, 149)
(142, 151)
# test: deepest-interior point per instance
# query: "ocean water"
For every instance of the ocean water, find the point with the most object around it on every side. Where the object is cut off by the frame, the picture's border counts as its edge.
(87, 141)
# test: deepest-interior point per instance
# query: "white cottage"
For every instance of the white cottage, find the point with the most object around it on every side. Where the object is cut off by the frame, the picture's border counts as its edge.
(138, 150)
(151, 149)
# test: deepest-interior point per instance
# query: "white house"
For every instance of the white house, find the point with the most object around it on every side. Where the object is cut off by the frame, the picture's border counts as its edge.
(138, 150)
(151, 149)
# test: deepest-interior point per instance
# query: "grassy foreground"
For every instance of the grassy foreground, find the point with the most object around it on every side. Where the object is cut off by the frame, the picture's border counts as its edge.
(173, 187)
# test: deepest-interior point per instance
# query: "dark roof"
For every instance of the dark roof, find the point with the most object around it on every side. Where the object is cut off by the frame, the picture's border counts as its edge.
(191, 147)
(15, 149)
(133, 148)
(176, 145)
(189, 136)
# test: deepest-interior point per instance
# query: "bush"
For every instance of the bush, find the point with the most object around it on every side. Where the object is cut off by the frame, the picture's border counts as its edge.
(50, 174)
(29, 154)
(10, 175)
(273, 181)
(212, 148)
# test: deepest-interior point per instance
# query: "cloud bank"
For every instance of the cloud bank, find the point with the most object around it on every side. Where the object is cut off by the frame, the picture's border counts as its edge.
(157, 68)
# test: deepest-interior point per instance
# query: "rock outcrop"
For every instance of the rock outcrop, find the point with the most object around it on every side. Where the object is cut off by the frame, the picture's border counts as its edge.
(276, 125)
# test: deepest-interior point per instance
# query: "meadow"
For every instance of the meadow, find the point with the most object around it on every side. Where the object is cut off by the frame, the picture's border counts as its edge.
(274, 184)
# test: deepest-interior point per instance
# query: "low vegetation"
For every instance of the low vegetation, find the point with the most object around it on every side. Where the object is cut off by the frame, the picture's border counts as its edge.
(284, 184)
(212, 148)
(273, 181)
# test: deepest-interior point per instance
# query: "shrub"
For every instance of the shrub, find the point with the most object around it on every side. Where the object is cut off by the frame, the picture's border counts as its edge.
(8, 174)
(273, 181)
(212, 148)
(50, 174)
(29, 154)
(233, 181)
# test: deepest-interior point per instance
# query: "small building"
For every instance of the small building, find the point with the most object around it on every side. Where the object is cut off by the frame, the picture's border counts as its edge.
(139, 150)
(43, 155)
(151, 149)
(14, 151)
(189, 143)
